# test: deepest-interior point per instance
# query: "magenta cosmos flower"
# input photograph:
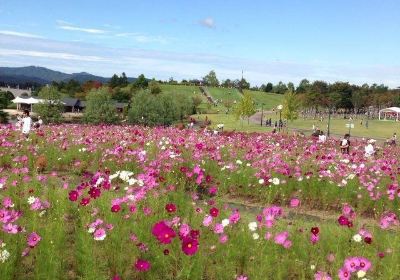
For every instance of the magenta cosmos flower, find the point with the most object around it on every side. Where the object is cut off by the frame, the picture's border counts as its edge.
(33, 239)
(170, 207)
(163, 232)
(73, 195)
(189, 246)
(214, 212)
(142, 265)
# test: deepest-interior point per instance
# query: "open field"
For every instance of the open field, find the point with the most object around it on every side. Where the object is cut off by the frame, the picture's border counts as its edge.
(124, 202)
(380, 130)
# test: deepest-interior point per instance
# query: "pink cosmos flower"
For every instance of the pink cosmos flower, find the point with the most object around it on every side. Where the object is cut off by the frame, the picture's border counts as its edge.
(163, 232)
(280, 238)
(184, 230)
(223, 238)
(235, 217)
(33, 239)
(142, 265)
(218, 228)
(115, 208)
(207, 220)
(73, 195)
(189, 246)
(99, 234)
(321, 275)
(7, 202)
(10, 228)
(242, 277)
(294, 202)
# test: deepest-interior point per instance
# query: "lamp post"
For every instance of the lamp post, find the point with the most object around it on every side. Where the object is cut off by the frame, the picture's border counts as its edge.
(280, 107)
(262, 113)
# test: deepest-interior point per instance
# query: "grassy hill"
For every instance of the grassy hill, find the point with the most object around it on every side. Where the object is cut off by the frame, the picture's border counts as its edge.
(270, 100)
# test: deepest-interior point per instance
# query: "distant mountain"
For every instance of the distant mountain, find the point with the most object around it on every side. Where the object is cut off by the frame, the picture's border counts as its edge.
(42, 75)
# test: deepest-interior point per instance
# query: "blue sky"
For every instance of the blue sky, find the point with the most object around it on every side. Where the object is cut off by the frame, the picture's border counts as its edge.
(287, 40)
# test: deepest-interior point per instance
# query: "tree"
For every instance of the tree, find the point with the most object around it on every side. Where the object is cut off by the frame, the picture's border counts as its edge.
(154, 87)
(290, 86)
(162, 109)
(268, 87)
(291, 105)
(100, 108)
(245, 107)
(50, 110)
(123, 80)
(227, 83)
(243, 84)
(196, 100)
(211, 79)
(141, 82)
(4, 102)
(304, 86)
(280, 88)
(114, 81)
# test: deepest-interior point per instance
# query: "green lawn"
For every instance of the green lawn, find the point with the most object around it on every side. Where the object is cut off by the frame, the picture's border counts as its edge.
(190, 90)
(376, 129)
(270, 100)
(225, 94)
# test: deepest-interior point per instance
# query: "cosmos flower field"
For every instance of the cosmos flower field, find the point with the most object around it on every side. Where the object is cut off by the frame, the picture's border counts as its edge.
(115, 202)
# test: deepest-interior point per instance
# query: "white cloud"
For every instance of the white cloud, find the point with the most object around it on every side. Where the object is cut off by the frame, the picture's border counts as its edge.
(19, 34)
(143, 38)
(208, 22)
(100, 60)
(54, 55)
(71, 27)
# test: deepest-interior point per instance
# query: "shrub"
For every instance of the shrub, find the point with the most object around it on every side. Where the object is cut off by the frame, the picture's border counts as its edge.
(100, 108)
(51, 108)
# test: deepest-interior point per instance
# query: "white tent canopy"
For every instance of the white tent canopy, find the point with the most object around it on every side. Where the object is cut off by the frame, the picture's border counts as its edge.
(28, 101)
(391, 111)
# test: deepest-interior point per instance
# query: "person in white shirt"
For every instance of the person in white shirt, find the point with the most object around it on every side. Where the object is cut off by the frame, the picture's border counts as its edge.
(26, 124)
(370, 149)
(322, 138)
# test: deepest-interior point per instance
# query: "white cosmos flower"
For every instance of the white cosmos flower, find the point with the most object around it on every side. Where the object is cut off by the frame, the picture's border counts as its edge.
(91, 230)
(253, 226)
(361, 273)
(248, 164)
(4, 255)
(115, 175)
(99, 181)
(256, 236)
(1, 185)
(312, 267)
(261, 181)
(239, 162)
(100, 238)
(125, 175)
(31, 199)
(275, 181)
(351, 176)
(357, 238)
(132, 181)
(225, 222)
